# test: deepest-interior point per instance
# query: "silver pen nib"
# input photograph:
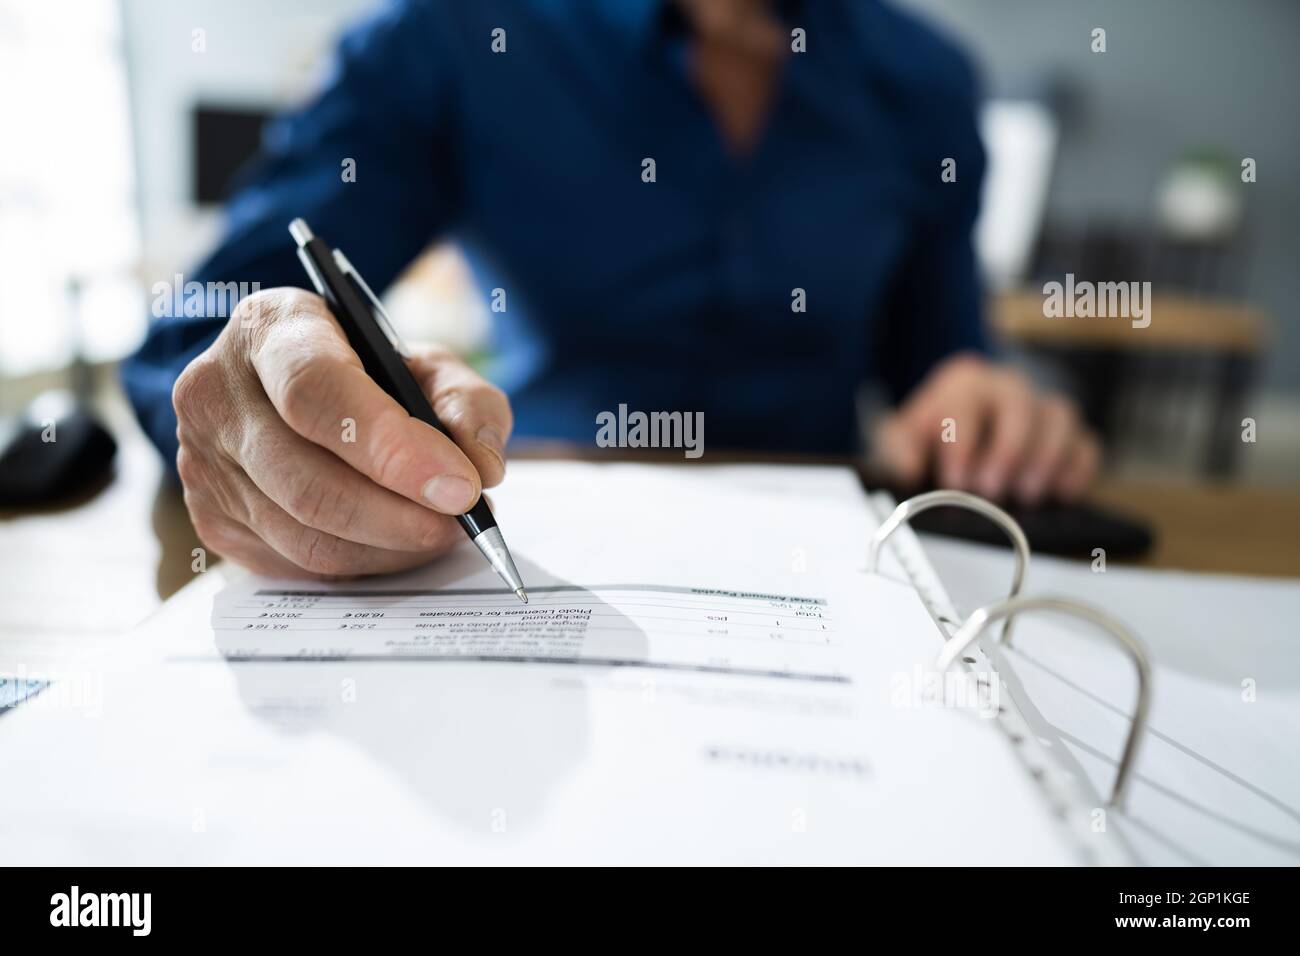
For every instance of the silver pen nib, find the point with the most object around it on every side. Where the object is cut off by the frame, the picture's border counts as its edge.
(494, 549)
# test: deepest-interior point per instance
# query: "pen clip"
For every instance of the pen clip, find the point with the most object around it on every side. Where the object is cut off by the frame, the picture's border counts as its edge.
(381, 315)
(312, 274)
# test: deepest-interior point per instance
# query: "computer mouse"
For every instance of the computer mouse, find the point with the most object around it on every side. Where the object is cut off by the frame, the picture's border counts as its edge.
(1052, 527)
(55, 451)
(1069, 530)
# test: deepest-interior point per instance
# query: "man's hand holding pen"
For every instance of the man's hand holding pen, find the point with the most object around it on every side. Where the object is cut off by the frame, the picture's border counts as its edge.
(295, 462)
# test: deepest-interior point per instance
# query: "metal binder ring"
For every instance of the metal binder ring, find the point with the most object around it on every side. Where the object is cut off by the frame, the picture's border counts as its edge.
(961, 499)
(981, 619)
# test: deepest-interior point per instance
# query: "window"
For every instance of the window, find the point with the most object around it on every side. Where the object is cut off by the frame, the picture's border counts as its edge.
(67, 188)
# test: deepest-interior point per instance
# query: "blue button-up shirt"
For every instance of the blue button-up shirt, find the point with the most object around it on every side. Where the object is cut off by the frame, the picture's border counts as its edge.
(679, 294)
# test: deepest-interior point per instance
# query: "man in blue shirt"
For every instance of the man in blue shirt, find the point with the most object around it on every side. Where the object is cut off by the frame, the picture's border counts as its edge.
(735, 207)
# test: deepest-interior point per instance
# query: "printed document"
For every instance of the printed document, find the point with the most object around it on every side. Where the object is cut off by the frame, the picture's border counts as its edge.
(704, 673)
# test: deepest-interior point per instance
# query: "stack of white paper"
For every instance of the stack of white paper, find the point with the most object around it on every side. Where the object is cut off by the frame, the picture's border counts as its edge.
(704, 675)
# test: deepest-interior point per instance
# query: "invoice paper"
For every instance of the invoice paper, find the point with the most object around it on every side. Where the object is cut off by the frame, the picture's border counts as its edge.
(704, 674)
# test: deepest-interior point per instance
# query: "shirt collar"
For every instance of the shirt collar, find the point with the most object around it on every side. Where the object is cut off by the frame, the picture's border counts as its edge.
(643, 22)
(638, 21)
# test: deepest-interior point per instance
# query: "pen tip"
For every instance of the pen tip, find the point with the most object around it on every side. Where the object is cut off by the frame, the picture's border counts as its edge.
(523, 595)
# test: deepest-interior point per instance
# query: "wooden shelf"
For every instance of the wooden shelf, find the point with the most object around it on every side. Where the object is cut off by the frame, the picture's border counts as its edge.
(1177, 323)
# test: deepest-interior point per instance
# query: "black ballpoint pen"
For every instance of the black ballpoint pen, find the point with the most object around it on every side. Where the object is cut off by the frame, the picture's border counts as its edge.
(373, 338)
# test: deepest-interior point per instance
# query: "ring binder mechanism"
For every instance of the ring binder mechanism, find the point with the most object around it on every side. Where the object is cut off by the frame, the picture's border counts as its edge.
(960, 499)
(1008, 609)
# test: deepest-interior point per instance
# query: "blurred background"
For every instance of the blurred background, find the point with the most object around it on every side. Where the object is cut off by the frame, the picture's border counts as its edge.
(126, 120)
(126, 146)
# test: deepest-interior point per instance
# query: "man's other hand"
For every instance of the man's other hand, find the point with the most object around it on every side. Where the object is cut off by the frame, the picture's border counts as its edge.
(983, 428)
(295, 463)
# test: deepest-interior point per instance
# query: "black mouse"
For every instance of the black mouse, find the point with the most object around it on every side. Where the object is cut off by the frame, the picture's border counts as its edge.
(1052, 527)
(1068, 530)
(53, 455)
